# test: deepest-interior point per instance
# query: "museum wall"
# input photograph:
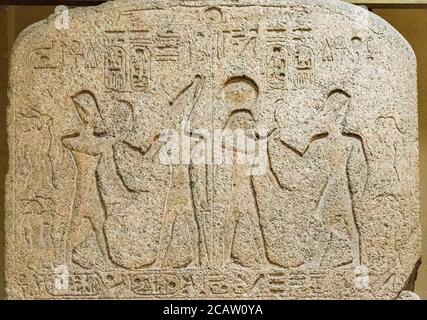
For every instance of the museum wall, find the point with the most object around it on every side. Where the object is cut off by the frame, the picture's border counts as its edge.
(412, 23)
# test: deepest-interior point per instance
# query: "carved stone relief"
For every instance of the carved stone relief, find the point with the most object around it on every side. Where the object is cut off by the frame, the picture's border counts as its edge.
(199, 149)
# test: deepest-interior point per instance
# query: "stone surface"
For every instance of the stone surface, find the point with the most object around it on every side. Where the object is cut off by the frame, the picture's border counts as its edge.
(408, 295)
(102, 202)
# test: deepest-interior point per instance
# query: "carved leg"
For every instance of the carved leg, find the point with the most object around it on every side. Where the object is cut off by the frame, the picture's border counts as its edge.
(195, 237)
(98, 228)
(74, 238)
(322, 247)
(229, 227)
(34, 230)
(165, 238)
(258, 236)
(354, 236)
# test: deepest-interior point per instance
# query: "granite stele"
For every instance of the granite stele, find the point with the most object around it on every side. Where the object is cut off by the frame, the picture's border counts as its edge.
(212, 149)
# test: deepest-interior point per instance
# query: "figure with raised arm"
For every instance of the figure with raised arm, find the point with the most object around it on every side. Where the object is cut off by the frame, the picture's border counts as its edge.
(87, 146)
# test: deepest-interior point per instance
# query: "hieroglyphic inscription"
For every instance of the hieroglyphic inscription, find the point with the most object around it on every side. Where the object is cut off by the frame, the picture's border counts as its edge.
(196, 283)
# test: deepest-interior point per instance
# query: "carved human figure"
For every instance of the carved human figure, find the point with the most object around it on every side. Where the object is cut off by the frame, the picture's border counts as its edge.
(231, 193)
(38, 227)
(179, 199)
(239, 141)
(333, 168)
(32, 232)
(385, 186)
(343, 161)
(37, 166)
(387, 154)
(87, 147)
(39, 203)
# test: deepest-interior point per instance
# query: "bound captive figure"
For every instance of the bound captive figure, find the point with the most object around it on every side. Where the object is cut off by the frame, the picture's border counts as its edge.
(87, 147)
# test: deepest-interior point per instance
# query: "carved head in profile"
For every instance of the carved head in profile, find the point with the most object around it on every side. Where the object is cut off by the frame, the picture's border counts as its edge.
(336, 108)
(242, 119)
(87, 108)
